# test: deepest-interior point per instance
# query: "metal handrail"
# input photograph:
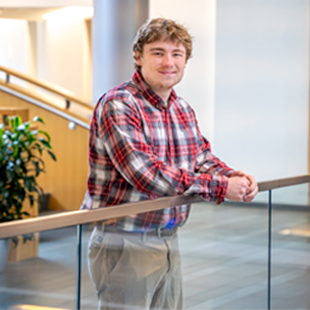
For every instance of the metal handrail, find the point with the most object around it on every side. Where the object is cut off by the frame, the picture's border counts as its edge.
(42, 102)
(47, 86)
(83, 122)
(73, 218)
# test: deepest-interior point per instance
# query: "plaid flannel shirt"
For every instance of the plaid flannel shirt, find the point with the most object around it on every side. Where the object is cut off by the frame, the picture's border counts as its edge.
(141, 149)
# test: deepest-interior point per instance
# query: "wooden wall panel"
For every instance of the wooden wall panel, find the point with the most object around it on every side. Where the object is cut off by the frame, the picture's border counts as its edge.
(66, 178)
(6, 111)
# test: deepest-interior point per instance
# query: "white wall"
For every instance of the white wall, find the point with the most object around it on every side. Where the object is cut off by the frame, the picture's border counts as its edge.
(262, 86)
(64, 54)
(56, 51)
(197, 86)
(13, 49)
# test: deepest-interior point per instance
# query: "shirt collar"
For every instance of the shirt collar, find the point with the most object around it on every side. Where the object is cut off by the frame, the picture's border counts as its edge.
(148, 94)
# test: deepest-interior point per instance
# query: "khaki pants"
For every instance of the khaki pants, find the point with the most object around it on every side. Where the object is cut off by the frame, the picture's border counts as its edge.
(135, 270)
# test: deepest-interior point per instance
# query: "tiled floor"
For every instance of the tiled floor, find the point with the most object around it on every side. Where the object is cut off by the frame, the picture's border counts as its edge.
(224, 256)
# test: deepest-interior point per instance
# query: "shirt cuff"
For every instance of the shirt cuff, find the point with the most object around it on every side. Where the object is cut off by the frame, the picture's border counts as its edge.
(217, 187)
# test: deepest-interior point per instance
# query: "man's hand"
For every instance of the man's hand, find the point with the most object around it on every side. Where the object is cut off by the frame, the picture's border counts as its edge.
(237, 188)
(241, 186)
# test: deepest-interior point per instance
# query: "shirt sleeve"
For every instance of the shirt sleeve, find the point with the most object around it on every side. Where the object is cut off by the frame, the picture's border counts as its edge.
(122, 135)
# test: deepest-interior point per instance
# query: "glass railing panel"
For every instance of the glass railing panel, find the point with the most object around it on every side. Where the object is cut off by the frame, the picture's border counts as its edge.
(224, 251)
(88, 299)
(290, 264)
(224, 255)
(47, 278)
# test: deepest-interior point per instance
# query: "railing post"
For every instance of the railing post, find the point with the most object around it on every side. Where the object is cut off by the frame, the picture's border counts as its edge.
(269, 249)
(68, 104)
(79, 259)
(7, 78)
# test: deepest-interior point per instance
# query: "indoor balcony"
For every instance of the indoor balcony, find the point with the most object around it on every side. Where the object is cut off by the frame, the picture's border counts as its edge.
(234, 256)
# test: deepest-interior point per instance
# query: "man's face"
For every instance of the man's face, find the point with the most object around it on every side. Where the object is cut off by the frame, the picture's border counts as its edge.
(162, 66)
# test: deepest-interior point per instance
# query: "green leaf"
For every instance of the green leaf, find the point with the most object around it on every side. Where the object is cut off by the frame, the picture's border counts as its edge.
(25, 213)
(45, 143)
(15, 121)
(21, 127)
(27, 125)
(28, 237)
(31, 199)
(5, 194)
(28, 183)
(10, 166)
(16, 149)
(15, 241)
(34, 132)
(21, 151)
(38, 119)
(38, 189)
(52, 155)
(46, 135)
(37, 167)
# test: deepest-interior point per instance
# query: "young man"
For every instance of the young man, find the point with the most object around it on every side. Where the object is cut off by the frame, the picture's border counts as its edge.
(145, 144)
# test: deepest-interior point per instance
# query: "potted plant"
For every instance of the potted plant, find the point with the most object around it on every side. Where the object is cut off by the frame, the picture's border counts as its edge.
(21, 150)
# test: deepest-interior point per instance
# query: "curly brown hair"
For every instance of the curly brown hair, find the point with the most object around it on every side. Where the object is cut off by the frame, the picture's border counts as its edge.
(162, 29)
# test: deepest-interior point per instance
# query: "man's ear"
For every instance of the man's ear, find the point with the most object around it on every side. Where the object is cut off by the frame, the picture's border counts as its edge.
(138, 58)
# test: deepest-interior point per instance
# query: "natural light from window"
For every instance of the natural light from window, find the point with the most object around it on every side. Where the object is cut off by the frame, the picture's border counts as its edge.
(71, 12)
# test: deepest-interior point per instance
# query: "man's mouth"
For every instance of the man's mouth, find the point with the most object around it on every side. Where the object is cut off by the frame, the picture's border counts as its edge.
(167, 73)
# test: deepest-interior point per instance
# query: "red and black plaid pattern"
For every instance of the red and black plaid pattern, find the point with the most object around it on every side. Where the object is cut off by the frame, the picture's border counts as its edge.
(140, 149)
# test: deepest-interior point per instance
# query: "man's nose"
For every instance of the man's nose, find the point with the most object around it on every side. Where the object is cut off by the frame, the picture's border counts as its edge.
(168, 61)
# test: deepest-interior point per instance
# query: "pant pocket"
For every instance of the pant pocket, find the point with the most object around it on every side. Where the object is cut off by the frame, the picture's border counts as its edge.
(104, 253)
(113, 252)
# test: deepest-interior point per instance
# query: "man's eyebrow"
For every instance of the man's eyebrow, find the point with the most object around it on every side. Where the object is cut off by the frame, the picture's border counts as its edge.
(157, 49)
(163, 50)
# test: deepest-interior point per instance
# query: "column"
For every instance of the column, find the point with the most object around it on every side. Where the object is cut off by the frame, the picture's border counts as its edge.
(114, 26)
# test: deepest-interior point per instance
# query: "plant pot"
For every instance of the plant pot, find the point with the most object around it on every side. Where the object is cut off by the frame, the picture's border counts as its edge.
(4, 252)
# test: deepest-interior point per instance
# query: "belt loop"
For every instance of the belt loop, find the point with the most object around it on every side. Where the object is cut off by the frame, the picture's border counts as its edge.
(143, 236)
(158, 231)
